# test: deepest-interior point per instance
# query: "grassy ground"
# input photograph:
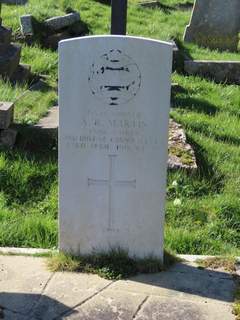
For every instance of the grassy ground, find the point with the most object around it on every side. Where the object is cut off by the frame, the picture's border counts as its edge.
(203, 209)
(115, 264)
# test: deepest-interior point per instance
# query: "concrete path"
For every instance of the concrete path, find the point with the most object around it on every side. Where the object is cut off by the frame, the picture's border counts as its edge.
(29, 292)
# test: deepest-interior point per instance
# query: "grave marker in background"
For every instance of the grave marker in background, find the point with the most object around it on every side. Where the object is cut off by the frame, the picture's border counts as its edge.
(114, 109)
(215, 24)
(119, 17)
(10, 53)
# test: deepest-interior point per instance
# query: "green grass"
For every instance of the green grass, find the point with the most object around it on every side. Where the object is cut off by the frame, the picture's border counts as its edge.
(114, 265)
(203, 208)
(28, 192)
(224, 263)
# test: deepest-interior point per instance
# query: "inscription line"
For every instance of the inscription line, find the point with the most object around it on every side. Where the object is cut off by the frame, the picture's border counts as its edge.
(111, 183)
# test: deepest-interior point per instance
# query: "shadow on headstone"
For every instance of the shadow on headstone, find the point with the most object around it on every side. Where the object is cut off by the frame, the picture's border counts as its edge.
(35, 306)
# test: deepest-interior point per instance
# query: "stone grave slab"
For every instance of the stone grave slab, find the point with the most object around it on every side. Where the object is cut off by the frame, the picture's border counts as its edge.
(215, 24)
(5, 38)
(8, 137)
(22, 74)
(10, 60)
(26, 22)
(6, 114)
(58, 23)
(219, 71)
(114, 99)
(180, 153)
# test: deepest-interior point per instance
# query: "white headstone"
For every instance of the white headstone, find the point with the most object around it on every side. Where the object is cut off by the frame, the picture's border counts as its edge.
(114, 112)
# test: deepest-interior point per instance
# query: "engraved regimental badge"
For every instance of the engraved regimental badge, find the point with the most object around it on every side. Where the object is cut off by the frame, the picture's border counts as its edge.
(114, 78)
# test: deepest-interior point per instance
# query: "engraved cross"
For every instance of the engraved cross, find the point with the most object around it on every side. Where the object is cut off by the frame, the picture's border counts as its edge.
(111, 183)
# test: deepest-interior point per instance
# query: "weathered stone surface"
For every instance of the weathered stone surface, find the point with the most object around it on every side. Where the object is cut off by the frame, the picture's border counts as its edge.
(50, 122)
(22, 280)
(9, 60)
(5, 39)
(219, 71)
(157, 308)
(58, 23)
(184, 292)
(6, 114)
(8, 137)
(184, 281)
(53, 40)
(22, 74)
(108, 90)
(26, 22)
(180, 153)
(70, 289)
(109, 305)
(215, 24)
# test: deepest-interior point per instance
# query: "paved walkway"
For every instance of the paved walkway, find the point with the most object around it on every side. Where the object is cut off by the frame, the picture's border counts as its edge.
(29, 292)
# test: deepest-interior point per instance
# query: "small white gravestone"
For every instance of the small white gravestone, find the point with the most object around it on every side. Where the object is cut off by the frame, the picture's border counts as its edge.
(114, 112)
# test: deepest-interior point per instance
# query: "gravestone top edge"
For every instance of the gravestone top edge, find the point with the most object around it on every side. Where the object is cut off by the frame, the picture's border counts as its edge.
(115, 37)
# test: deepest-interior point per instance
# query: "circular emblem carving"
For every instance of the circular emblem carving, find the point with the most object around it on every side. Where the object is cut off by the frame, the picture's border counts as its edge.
(114, 78)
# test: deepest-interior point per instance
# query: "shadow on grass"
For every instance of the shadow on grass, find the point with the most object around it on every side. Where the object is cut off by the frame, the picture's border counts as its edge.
(158, 5)
(40, 85)
(35, 142)
(105, 2)
(165, 8)
(184, 6)
(30, 167)
(193, 104)
(205, 168)
(224, 138)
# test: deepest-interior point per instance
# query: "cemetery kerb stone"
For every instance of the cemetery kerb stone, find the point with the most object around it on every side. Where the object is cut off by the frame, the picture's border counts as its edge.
(113, 140)
(215, 24)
